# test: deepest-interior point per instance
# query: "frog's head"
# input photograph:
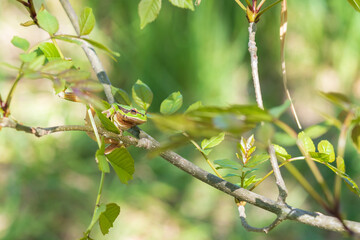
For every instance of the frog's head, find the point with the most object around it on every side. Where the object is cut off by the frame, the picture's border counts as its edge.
(132, 115)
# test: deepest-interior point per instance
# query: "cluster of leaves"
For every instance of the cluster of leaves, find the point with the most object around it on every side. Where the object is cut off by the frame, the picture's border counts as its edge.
(245, 164)
(45, 59)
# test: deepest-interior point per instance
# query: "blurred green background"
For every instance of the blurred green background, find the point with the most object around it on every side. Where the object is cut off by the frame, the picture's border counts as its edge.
(49, 185)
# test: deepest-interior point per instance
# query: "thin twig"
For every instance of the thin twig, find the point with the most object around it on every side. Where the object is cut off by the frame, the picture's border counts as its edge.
(283, 30)
(245, 224)
(254, 64)
(279, 180)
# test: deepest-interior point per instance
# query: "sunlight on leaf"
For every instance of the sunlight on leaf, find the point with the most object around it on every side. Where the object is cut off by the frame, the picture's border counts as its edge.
(142, 94)
(212, 142)
(48, 22)
(325, 146)
(148, 11)
(20, 43)
(86, 21)
(108, 217)
(172, 103)
(123, 164)
(183, 4)
(306, 142)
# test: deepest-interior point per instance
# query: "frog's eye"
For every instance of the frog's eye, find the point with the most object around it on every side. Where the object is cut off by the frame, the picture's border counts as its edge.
(133, 111)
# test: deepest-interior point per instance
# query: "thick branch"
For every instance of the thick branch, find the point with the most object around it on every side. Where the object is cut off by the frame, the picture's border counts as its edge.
(147, 142)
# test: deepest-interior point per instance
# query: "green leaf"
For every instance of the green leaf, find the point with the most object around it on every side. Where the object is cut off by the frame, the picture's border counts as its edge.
(355, 137)
(148, 11)
(108, 217)
(28, 57)
(101, 46)
(355, 4)
(212, 142)
(232, 175)
(349, 182)
(142, 94)
(172, 103)
(250, 180)
(98, 211)
(206, 151)
(321, 157)
(257, 160)
(107, 123)
(28, 23)
(183, 4)
(316, 131)
(337, 98)
(86, 21)
(226, 163)
(193, 106)
(120, 96)
(306, 142)
(277, 111)
(325, 146)
(20, 43)
(48, 22)
(280, 151)
(49, 50)
(37, 63)
(57, 66)
(123, 164)
(341, 163)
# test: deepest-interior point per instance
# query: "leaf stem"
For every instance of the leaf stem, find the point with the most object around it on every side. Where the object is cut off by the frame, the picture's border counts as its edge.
(97, 205)
(57, 47)
(11, 92)
(341, 152)
(204, 155)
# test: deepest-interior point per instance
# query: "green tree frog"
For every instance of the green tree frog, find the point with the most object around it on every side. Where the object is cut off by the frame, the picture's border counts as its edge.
(125, 117)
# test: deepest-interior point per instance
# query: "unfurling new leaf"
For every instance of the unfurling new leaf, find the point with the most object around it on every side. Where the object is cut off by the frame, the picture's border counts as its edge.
(212, 142)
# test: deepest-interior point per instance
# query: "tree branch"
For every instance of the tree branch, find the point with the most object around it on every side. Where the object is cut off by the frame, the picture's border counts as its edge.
(309, 218)
(147, 142)
(90, 53)
(254, 64)
(279, 180)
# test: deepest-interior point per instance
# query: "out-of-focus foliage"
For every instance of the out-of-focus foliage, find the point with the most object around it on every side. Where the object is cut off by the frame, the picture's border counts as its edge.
(48, 185)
